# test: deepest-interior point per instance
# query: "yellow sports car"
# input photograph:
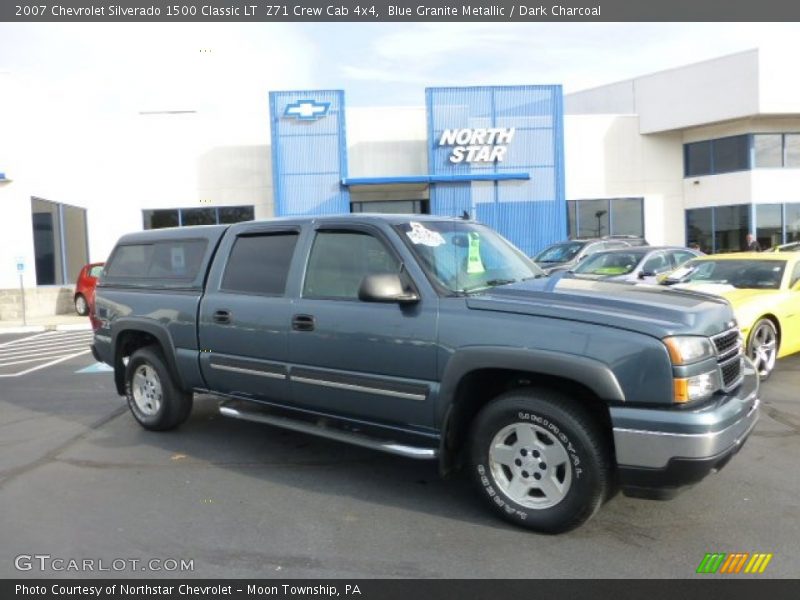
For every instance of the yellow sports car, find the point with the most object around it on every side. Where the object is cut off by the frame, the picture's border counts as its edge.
(764, 289)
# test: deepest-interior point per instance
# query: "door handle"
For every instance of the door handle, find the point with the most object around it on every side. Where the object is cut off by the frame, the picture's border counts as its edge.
(221, 316)
(303, 323)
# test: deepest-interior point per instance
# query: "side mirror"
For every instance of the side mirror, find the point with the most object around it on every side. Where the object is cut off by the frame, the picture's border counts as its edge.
(385, 287)
(643, 274)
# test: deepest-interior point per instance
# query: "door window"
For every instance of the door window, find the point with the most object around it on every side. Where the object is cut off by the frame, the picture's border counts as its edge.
(259, 264)
(340, 260)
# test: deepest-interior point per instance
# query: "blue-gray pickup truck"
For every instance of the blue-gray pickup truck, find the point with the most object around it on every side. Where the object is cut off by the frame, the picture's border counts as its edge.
(431, 338)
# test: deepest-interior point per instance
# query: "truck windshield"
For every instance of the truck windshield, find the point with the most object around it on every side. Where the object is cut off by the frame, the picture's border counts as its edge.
(466, 257)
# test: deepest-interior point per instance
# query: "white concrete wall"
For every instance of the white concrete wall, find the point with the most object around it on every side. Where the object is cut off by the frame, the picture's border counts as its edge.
(387, 141)
(607, 157)
(706, 92)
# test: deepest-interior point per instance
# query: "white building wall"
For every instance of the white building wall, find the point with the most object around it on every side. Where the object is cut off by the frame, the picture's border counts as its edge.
(607, 157)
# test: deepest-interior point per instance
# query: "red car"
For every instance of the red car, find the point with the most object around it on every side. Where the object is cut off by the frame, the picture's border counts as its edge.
(84, 288)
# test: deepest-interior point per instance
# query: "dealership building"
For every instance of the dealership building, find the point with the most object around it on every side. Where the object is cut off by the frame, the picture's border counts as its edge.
(702, 153)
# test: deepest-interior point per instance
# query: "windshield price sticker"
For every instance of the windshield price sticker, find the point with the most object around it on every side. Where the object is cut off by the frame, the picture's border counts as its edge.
(420, 235)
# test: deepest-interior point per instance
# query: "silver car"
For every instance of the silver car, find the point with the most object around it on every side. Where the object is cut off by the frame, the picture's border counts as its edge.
(641, 264)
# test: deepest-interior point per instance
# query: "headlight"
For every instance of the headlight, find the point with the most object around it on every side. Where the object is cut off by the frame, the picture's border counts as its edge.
(686, 349)
(698, 387)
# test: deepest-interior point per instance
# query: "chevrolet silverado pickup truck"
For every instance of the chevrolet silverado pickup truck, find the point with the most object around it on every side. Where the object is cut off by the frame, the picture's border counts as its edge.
(432, 338)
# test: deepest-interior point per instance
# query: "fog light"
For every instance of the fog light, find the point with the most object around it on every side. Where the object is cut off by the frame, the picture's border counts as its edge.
(696, 388)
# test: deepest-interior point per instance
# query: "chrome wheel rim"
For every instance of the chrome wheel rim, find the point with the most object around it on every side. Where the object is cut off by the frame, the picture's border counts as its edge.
(146, 388)
(80, 305)
(764, 348)
(530, 465)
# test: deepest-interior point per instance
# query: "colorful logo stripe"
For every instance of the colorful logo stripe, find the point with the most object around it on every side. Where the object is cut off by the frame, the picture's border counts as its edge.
(734, 563)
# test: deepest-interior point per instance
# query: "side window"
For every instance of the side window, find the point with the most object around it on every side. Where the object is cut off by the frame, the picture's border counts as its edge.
(681, 256)
(179, 259)
(592, 248)
(259, 264)
(656, 264)
(96, 271)
(131, 261)
(340, 260)
(795, 275)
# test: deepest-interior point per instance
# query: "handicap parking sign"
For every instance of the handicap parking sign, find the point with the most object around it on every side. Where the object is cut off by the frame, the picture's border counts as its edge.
(20, 264)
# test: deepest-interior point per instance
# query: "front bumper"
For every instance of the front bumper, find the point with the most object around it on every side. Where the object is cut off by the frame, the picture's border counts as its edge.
(661, 451)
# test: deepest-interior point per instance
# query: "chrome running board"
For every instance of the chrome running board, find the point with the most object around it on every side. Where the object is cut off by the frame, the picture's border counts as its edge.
(339, 435)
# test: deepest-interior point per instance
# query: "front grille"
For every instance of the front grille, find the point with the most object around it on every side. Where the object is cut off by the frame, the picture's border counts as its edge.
(729, 357)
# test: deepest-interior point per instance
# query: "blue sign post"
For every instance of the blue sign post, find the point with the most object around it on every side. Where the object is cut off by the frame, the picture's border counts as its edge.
(20, 261)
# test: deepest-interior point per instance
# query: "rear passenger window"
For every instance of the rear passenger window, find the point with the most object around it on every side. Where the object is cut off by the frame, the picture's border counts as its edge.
(339, 262)
(259, 264)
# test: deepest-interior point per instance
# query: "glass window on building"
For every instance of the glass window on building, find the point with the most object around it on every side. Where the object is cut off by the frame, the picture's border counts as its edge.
(700, 229)
(235, 214)
(627, 216)
(731, 226)
(199, 216)
(768, 150)
(731, 154)
(598, 218)
(792, 223)
(697, 158)
(398, 207)
(158, 219)
(177, 217)
(769, 225)
(592, 218)
(792, 150)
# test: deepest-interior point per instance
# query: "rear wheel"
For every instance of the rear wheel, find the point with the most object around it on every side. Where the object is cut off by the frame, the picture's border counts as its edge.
(153, 396)
(762, 347)
(540, 461)
(81, 306)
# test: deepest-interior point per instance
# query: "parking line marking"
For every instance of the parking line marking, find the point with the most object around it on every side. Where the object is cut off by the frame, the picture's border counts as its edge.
(45, 350)
(36, 368)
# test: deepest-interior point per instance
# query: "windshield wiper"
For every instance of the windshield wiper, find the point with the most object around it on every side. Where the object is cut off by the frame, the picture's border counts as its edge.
(496, 282)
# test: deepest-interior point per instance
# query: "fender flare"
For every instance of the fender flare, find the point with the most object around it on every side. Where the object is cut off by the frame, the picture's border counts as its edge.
(150, 327)
(588, 372)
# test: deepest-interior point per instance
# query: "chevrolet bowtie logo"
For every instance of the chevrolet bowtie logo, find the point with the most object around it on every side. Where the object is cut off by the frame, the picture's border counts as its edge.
(307, 110)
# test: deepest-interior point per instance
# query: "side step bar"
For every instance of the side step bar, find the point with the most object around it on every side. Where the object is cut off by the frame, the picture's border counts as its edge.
(357, 439)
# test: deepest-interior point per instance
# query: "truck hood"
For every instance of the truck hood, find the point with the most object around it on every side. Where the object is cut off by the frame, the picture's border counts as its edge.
(654, 310)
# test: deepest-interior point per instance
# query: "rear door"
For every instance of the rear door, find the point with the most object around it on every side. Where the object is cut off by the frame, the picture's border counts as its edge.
(245, 313)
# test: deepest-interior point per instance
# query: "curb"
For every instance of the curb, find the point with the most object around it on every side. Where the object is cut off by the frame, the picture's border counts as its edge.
(22, 329)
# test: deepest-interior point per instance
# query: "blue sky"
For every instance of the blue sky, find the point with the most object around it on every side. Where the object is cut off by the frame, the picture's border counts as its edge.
(132, 67)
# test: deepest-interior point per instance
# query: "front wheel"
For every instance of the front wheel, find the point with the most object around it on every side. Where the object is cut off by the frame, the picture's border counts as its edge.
(153, 397)
(540, 461)
(762, 347)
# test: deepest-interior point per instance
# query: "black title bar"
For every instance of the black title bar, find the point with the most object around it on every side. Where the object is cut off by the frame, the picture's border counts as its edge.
(369, 11)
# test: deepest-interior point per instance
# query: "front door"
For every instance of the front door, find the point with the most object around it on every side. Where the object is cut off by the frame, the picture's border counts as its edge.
(367, 360)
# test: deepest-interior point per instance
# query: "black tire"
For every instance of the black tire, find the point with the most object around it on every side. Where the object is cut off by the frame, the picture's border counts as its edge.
(81, 305)
(763, 331)
(583, 471)
(173, 405)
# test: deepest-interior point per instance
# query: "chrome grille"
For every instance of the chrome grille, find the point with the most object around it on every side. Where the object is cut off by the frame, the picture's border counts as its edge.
(729, 357)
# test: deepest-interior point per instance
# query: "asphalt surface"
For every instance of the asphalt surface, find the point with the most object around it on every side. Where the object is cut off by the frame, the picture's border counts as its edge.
(79, 479)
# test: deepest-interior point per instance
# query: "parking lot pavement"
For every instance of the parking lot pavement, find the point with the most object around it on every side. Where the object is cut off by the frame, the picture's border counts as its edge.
(27, 353)
(80, 479)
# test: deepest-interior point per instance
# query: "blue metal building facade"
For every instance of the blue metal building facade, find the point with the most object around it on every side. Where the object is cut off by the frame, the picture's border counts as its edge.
(531, 213)
(522, 195)
(309, 152)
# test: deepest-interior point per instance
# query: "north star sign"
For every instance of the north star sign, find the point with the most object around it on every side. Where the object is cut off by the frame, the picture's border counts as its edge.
(477, 145)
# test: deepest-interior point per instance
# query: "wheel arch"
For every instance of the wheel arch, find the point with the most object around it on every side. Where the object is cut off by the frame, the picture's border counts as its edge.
(470, 384)
(129, 336)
